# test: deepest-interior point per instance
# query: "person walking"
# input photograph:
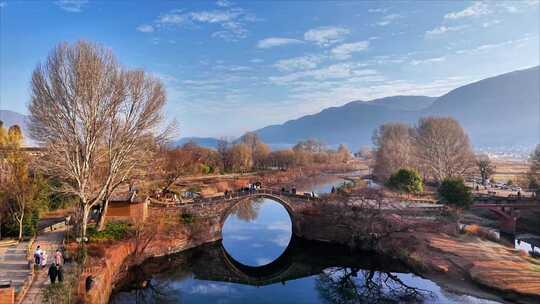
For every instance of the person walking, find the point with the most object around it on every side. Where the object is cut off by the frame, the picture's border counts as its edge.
(37, 256)
(53, 273)
(43, 259)
(58, 258)
(60, 273)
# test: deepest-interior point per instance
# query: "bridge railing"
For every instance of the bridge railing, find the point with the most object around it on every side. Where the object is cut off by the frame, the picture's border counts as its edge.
(252, 192)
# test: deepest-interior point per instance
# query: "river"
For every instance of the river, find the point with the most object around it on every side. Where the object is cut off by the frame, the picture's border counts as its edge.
(259, 260)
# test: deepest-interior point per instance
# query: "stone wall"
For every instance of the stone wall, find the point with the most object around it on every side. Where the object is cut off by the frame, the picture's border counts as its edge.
(7, 295)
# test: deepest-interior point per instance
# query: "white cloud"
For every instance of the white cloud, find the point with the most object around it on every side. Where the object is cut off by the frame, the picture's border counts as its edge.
(276, 41)
(428, 60)
(256, 60)
(262, 261)
(335, 71)
(223, 3)
(345, 50)
(282, 226)
(491, 46)
(73, 6)
(444, 29)
(326, 35)
(491, 23)
(232, 21)
(377, 10)
(298, 63)
(145, 28)
(310, 97)
(212, 16)
(476, 9)
(173, 18)
(211, 289)
(386, 20)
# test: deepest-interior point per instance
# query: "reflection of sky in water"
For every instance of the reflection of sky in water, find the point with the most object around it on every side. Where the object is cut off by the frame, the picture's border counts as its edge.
(302, 290)
(259, 240)
(257, 236)
(324, 186)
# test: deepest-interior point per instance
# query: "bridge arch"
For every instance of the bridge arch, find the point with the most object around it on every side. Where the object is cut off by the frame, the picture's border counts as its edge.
(261, 275)
(277, 198)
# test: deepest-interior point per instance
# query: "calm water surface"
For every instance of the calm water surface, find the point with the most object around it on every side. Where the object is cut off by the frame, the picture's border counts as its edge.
(259, 261)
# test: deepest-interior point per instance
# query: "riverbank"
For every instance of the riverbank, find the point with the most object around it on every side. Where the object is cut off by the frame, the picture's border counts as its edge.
(470, 264)
(461, 263)
(429, 245)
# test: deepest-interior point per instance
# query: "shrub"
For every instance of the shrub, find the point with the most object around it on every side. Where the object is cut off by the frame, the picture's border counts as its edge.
(187, 218)
(113, 231)
(454, 192)
(405, 180)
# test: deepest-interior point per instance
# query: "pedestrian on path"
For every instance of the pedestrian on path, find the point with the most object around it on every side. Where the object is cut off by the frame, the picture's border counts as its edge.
(60, 270)
(43, 259)
(37, 256)
(53, 272)
(58, 258)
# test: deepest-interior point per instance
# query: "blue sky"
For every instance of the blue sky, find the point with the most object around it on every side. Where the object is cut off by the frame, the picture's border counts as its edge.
(234, 66)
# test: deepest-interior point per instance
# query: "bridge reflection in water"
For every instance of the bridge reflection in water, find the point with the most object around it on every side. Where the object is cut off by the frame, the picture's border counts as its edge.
(336, 268)
(301, 258)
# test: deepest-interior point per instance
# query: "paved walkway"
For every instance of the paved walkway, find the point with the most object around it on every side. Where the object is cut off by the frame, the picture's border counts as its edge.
(13, 264)
(49, 241)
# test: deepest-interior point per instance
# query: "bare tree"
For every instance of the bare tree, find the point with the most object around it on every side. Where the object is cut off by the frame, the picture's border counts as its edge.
(94, 118)
(534, 170)
(394, 149)
(259, 150)
(442, 148)
(485, 167)
(241, 158)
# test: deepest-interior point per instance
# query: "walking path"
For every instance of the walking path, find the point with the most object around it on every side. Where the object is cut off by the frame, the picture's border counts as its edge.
(49, 241)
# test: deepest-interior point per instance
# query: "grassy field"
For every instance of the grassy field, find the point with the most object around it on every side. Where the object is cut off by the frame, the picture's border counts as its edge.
(514, 170)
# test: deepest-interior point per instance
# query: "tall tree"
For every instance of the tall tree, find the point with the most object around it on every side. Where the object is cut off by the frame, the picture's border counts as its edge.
(18, 186)
(241, 158)
(393, 149)
(442, 148)
(534, 170)
(485, 167)
(259, 150)
(343, 154)
(94, 118)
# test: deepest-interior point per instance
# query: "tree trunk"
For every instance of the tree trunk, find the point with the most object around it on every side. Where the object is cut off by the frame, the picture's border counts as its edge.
(21, 227)
(84, 221)
(102, 215)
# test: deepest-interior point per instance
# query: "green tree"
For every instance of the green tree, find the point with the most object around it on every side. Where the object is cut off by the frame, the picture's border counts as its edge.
(406, 180)
(454, 192)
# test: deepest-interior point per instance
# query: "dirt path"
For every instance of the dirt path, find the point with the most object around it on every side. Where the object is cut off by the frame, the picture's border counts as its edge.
(49, 241)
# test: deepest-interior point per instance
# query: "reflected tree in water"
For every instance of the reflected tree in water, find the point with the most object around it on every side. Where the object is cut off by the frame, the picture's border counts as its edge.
(248, 210)
(152, 292)
(349, 285)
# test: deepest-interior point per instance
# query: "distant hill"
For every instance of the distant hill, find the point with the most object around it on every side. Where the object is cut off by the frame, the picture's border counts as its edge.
(406, 103)
(501, 110)
(207, 142)
(11, 118)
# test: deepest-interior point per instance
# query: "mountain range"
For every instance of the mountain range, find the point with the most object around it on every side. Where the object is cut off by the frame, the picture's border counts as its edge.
(499, 111)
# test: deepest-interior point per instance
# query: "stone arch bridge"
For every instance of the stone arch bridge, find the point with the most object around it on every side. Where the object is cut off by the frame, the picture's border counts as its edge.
(216, 209)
